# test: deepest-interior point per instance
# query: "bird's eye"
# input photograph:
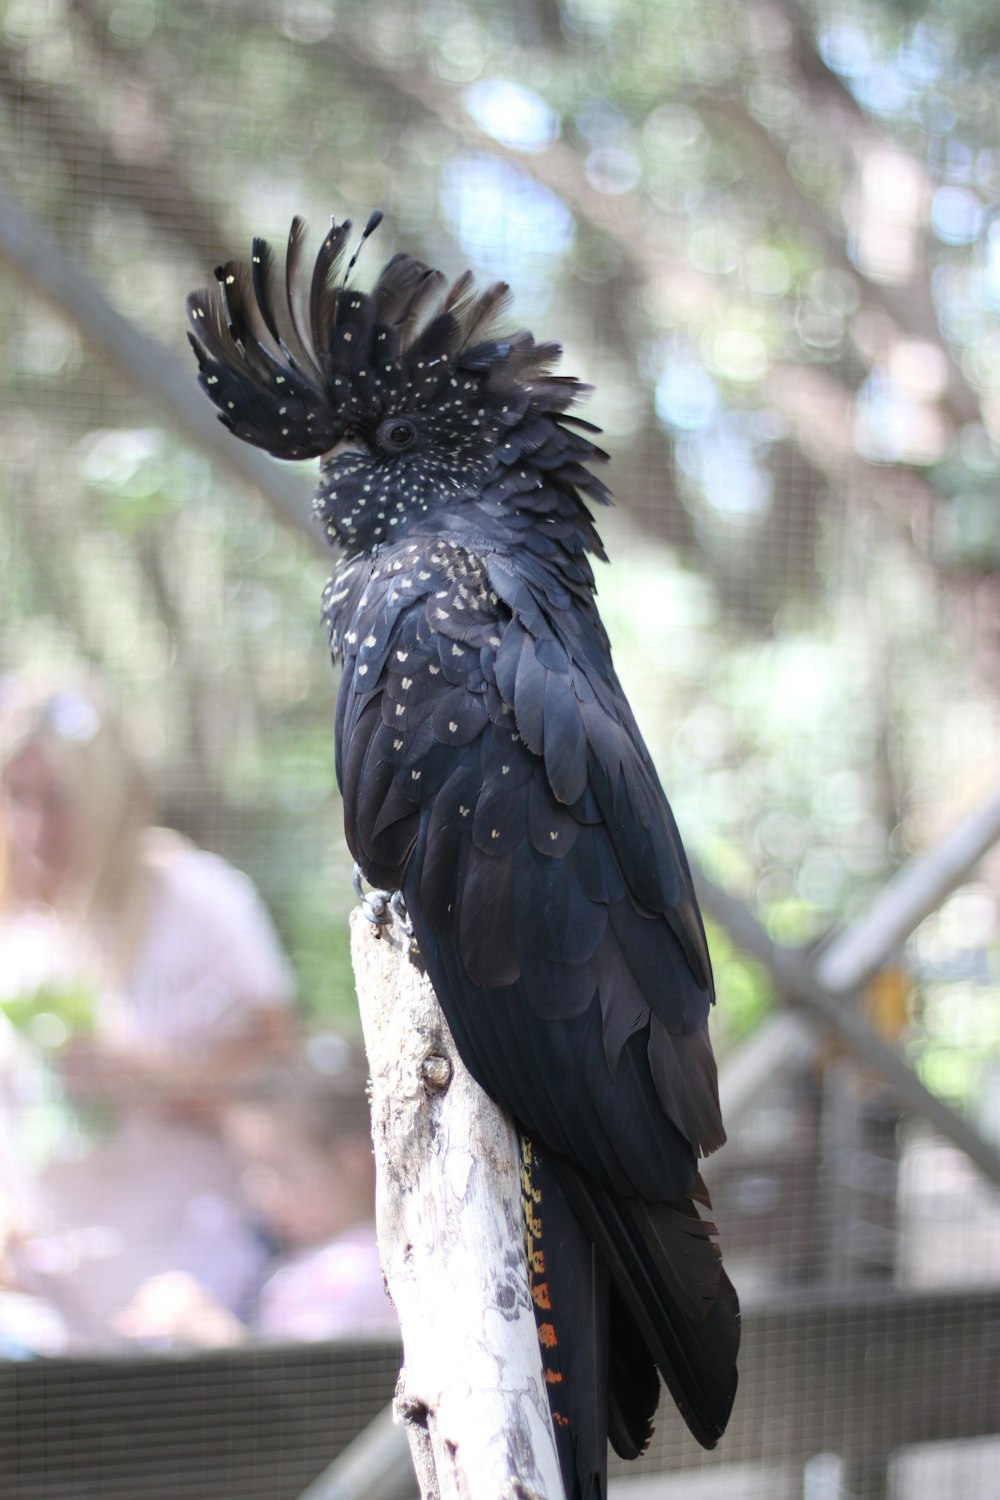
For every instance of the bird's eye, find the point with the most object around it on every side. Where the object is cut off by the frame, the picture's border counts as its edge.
(396, 435)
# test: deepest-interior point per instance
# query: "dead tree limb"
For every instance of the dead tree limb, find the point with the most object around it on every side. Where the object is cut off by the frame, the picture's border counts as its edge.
(448, 1209)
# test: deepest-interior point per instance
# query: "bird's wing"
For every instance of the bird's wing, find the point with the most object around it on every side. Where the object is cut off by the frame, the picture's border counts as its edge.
(491, 769)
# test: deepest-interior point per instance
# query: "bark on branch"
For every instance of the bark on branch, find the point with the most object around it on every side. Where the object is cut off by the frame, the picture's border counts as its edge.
(448, 1208)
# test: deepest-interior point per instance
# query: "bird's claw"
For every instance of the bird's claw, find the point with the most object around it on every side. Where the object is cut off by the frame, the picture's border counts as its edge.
(381, 906)
(376, 905)
(401, 914)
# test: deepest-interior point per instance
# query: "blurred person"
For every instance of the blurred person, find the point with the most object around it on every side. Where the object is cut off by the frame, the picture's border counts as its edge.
(309, 1179)
(28, 1324)
(148, 975)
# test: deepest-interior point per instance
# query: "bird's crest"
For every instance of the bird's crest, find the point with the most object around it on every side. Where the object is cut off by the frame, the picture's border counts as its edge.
(296, 363)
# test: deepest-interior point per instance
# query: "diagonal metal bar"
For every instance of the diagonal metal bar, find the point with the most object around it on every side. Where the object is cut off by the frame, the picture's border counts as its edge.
(796, 981)
(787, 1039)
(784, 1042)
(919, 888)
(375, 1466)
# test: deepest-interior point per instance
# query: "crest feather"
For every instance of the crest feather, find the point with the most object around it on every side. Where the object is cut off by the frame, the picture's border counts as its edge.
(292, 362)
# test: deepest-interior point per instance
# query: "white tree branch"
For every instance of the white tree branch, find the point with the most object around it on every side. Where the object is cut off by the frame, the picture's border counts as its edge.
(448, 1207)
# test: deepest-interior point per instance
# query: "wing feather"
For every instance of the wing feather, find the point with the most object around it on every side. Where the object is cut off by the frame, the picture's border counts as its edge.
(485, 925)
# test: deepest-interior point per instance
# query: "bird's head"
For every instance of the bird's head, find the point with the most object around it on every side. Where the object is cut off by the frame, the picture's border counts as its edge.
(408, 394)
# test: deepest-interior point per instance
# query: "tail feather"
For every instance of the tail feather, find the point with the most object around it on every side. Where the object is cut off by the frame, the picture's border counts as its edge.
(666, 1269)
(623, 1289)
(569, 1290)
(633, 1384)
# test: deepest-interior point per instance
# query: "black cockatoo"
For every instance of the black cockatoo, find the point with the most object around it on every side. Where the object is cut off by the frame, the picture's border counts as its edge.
(492, 772)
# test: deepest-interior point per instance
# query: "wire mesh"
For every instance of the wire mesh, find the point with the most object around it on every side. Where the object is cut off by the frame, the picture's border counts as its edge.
(803, 602)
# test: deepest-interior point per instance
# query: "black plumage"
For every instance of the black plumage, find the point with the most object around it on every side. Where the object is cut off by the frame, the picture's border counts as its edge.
(492, 772)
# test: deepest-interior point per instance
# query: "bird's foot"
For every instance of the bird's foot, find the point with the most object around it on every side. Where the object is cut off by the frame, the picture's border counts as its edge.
(380, 907)
(401, 914)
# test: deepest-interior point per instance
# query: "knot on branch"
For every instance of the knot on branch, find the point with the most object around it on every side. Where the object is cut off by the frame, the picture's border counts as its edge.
(516, 1489)
(413, 1412)
(436, 1071)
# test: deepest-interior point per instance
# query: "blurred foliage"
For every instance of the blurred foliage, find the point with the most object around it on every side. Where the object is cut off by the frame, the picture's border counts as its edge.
(766, 231)
(744, 989)
(51, 1013)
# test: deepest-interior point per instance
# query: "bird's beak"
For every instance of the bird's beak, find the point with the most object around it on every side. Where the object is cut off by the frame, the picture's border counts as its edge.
(351, 442)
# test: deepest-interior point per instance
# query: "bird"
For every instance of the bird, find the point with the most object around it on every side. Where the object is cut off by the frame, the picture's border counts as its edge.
(495, 781)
